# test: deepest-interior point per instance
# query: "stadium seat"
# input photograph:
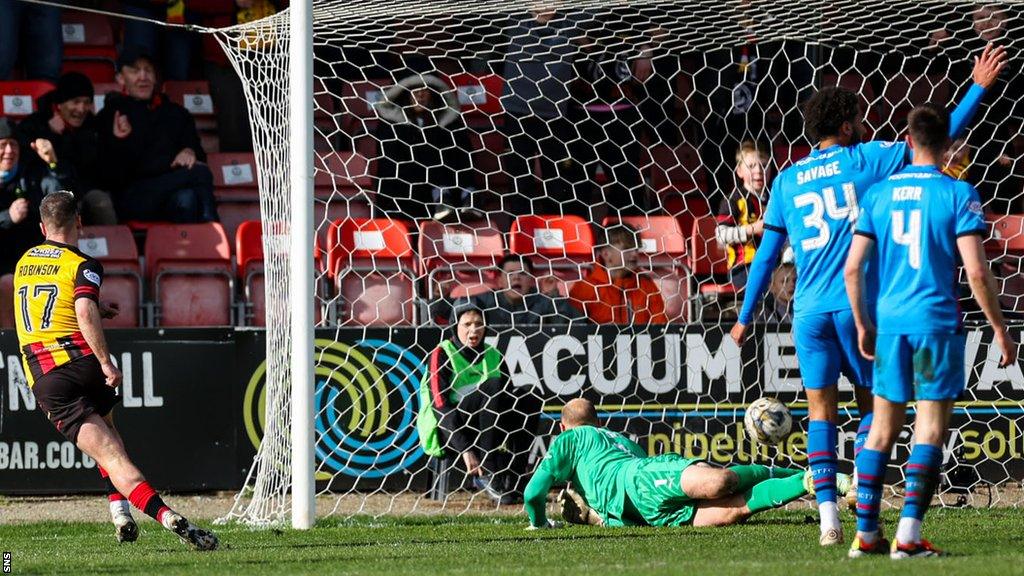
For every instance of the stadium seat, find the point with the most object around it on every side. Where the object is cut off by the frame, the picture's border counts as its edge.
(1007, 235)
(345, 173)
(370, 262)
(675, 169)
(114, 247)
(467, 253)
(687, 209)
(326, 211)
(479, 97)
(783, 155)
(234, 176)
(249, 258)
(195, 96)
(357, 102)
(663, 247)
(709, 265)
(19, 97)
(190, 271)
(559, 245)
(89, 45)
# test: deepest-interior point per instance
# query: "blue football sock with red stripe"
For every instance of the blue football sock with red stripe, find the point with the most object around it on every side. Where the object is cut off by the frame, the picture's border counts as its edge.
(862, 433)
(821, 457)
(922, 474)
(870, 480)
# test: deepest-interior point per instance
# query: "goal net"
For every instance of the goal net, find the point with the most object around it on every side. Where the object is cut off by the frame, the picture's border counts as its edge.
(451, 134)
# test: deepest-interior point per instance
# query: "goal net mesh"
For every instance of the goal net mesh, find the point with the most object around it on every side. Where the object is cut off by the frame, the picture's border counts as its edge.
(449, 134)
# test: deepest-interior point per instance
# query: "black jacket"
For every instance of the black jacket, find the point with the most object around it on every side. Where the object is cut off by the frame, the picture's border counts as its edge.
(34, 180)
(77, 148)
(160, 130)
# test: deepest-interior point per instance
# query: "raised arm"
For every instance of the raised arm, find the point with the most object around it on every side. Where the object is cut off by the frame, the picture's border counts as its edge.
(983, 287)
(765, 259)
(986, 71)
(860, 248)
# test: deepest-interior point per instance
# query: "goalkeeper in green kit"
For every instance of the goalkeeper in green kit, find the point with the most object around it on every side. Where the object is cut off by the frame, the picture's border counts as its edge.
(619, 485)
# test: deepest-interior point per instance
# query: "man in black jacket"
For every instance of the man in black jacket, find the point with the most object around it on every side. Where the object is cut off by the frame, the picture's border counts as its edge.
(65, 119)
(150, 150)
(23, 184)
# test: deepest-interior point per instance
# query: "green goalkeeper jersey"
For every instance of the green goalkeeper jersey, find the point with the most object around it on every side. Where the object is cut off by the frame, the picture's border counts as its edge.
(597, 461)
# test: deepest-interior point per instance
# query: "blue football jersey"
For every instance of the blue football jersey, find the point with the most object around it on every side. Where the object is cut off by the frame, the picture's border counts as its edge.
(915, 217)
(816, 203)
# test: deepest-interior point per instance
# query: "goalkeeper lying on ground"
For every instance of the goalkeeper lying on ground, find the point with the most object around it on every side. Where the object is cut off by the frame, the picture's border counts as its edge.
(619, 485)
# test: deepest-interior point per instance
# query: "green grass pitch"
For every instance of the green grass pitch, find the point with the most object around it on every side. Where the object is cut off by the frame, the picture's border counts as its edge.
(784, 543)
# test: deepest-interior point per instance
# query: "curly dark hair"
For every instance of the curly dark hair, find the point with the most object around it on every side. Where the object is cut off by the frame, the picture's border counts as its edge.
(825, 112)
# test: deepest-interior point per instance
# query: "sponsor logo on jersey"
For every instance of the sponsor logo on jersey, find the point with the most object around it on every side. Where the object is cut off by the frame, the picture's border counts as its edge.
(46, 252)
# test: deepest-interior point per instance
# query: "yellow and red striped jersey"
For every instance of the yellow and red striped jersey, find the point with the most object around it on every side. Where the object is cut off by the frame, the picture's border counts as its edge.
(47, 281)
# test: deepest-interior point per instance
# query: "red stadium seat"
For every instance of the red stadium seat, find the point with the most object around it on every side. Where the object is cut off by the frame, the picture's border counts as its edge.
(663, 247)
(357, 102)
(189, 266)
(18, 98)
(709, 264)
(194, 95)
(249, 254)
(234, 176)
(86, 29)
(784, 155)
(1007, 236)
(687, 209)
(345, 173)
(89, 45)
(467, 253)
(114, 247)
(479, 97)
(675, 169)
(371, 264)
(559, 245)
(338, 208)
(234, 213)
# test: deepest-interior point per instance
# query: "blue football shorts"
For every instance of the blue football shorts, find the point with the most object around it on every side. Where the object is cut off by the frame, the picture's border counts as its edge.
(826, 346)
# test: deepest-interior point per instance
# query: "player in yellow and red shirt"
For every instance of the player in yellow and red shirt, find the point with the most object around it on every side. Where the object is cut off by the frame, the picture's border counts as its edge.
(70, 370)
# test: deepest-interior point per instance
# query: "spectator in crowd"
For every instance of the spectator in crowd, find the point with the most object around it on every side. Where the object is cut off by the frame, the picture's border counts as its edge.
(65, 119)
(518, 303)
(23, 184)
(424, 157)
(610, 125)
(172, 43)
(150, 152)
(34, 31)
(229, 102)
(995, 142)
(615, 291)
(539, 66)
(468, 409)
(739, 216)
(778, 305)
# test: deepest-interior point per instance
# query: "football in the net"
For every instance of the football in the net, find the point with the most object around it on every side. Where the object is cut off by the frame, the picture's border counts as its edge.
(767, 420)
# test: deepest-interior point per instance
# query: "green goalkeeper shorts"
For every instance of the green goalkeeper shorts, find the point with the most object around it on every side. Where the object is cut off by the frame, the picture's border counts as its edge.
(655, 494)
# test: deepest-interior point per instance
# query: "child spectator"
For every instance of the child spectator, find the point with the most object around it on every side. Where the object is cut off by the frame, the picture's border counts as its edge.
(150, 150)
(739, 217)
(615, 291)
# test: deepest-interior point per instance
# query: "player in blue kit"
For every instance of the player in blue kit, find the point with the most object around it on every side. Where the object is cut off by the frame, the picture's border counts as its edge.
(815, 203)
(919, 219)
